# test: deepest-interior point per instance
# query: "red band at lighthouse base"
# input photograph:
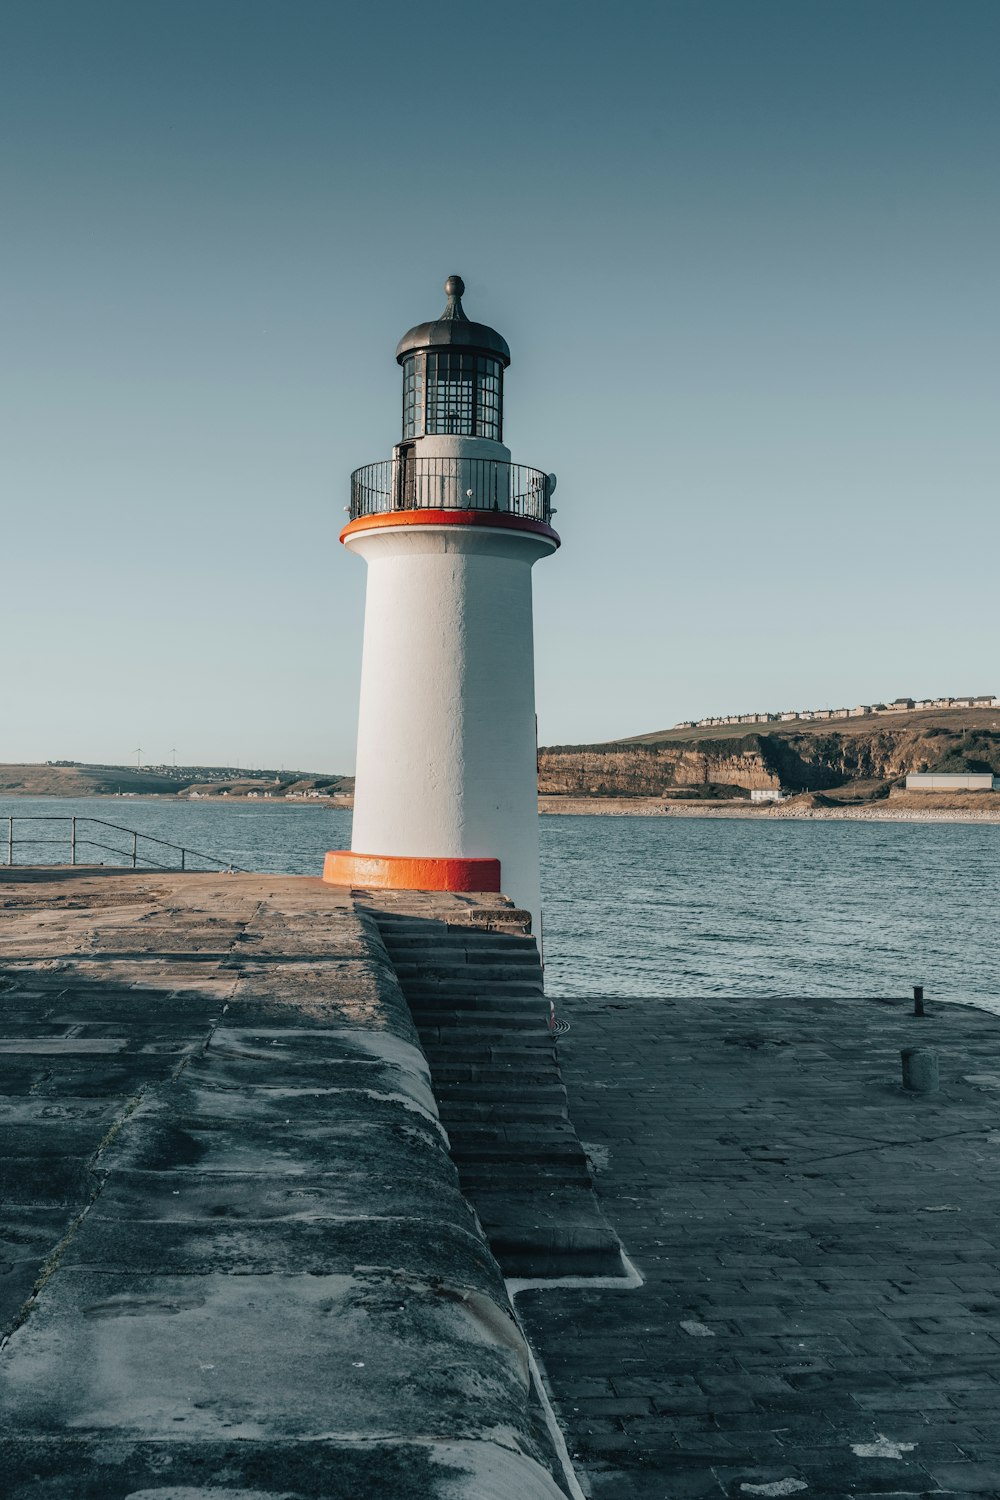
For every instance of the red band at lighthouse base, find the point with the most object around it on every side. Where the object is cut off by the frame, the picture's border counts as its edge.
(401, 872)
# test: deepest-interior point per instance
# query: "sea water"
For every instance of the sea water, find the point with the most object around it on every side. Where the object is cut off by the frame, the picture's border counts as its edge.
(656, 906)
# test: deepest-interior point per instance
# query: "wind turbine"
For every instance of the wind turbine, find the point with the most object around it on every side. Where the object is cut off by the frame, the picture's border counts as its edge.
(138, 756)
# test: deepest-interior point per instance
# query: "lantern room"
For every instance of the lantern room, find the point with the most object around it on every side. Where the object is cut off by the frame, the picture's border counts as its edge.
(453, 375)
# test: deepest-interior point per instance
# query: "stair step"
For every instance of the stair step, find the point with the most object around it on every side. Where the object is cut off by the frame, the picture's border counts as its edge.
(459, 940)
(480, 1077)
(452, 1049)
(478, 953)
(517, 1010)
(489, 1095)
(439, 973)
(469, 1115)
(486, 1143)
(533, 1007)
(446, 1025)
(453, 989)
(520, 1180)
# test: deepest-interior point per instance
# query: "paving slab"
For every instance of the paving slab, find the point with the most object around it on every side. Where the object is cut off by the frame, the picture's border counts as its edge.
(820, 1251)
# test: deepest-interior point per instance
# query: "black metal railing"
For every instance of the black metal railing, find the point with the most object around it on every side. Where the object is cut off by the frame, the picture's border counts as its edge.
(451, 484)
(133, 854)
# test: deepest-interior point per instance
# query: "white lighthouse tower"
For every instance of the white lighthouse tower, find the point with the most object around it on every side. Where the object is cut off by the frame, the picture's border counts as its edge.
(446, 791)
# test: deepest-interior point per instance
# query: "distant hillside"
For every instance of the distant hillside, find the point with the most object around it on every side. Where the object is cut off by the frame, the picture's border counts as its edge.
(810, 757)
(77, 780)
(958, 720)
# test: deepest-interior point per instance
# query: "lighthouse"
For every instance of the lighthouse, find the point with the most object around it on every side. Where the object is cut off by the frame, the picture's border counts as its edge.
(446, 794)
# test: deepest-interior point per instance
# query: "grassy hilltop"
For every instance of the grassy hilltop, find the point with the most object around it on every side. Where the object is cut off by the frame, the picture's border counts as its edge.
(74, 779)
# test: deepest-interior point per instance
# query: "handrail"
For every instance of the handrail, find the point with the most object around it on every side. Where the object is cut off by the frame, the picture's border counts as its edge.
(407, 483)
(134, 855)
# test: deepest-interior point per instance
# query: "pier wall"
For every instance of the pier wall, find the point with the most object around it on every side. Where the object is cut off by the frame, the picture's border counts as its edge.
(237, 1260)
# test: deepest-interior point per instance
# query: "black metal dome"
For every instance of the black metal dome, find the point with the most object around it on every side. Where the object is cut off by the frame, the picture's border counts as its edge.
(454, 330)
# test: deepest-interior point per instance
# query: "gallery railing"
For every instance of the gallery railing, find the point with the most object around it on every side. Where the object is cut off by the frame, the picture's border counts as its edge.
(406, 483)
(134, 854)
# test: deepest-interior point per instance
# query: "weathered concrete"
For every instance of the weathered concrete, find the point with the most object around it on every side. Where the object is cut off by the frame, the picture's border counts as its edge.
(821, 1248)
(236, 1260)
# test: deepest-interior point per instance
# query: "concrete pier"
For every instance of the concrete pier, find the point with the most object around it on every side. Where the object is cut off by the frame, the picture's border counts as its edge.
(234, 1257)
(268, 1149)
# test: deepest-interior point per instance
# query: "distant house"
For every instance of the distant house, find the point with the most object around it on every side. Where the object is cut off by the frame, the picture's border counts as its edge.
(948, 781)
(766, 794)
(985, 700)
(924, 703)
(860, 711)
(786, 718)
(900, 705)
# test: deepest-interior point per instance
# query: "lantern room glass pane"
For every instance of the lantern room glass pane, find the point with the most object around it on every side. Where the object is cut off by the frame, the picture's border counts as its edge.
(412, 398)
(464, 395)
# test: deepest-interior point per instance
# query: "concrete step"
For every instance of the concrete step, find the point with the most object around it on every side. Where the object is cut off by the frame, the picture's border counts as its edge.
(478, 953)
(394, 922)
(478, 1001)
(496, 1113)
(533, 1050)
(506, 1143)
(488, 1005)
(485, 1094)
(565, 1234)
(521, 950)
(475, 1029)
(480, 973)
(455, 988)
(519, 1180)
(479, 1077)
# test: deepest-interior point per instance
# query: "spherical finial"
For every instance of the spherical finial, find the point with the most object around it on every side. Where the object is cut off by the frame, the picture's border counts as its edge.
(455, 286)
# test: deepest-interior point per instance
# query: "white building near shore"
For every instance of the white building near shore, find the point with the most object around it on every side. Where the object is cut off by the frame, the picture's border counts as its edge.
(951, 781)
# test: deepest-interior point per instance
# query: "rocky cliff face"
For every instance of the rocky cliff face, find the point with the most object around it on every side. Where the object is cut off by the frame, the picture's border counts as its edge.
(797, 762)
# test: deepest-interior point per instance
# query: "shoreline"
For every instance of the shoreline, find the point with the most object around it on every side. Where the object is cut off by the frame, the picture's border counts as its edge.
(586, 807)
(654, 807)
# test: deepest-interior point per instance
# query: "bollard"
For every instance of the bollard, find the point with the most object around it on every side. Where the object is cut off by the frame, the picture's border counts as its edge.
(918, 1000)
(920, 1070)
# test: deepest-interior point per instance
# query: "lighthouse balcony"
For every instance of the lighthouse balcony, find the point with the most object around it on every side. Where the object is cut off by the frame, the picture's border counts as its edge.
(407, 483)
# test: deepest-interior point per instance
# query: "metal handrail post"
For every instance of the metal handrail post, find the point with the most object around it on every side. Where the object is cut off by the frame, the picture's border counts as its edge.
(72, 841)
(135, 850)
(10, 840)
(183, 853)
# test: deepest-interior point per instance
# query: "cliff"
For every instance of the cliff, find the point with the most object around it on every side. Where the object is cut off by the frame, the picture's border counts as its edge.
(796, 760)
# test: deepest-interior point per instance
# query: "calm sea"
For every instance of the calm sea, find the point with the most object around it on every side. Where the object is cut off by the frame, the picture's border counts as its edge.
(667, 906)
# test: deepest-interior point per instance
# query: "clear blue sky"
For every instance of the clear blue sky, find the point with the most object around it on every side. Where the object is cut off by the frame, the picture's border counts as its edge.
(745, 255)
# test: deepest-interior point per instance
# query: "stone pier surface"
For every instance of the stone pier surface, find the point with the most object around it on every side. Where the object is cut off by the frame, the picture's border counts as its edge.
(821, 1252)
(263, 1143)
(235, 1261)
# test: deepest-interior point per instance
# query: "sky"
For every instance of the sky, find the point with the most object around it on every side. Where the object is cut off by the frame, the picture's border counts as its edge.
(745, 255)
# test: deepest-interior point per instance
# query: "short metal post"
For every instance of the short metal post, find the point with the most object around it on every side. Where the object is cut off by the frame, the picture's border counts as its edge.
(135, 850)
(183, 853)
(918, 1000)
(72, 841)
(10, 841)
